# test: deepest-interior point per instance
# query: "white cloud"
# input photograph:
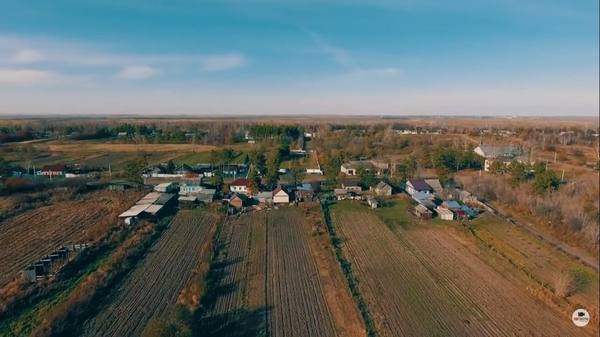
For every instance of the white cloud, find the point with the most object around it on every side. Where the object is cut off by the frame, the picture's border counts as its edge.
(27, 55)
(339, 55)
(11, 76)
(137, 72)
(222, 62)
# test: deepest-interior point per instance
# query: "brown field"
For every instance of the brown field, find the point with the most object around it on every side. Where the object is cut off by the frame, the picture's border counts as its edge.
(274, 275)
(120, 147)
(434, 281)
(545, 263)
(32, 234)
(153, 287)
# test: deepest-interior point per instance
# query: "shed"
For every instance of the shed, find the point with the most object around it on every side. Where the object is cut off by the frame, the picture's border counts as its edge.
(264, 197)
(444, 213)
(372, 202)
(423, 212)
(236, 202)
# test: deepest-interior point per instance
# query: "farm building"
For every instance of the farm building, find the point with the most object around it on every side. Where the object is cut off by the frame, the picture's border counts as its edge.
(265, 198)
(305, 192)
(52, 170)
(444, 213)
(491, 153)
(423, 212)
(206, 195)
(152, 205)
(419, 185)
(352, 188)
(340, 193)
(187, 201)
(280, 196)
(166, 187)
(314, 171)
(352, 168)
(382, 189)
(239, 186)
(372, 202)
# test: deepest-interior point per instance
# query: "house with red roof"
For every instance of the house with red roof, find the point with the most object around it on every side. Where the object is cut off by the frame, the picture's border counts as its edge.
(239, 186)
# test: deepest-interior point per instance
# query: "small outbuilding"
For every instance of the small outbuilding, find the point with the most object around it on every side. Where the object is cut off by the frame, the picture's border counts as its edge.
(372, 202)
(444, 213)
(423, 212)
(236, 202)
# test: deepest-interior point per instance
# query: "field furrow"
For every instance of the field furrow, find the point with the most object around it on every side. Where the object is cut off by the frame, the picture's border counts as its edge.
(152, 288)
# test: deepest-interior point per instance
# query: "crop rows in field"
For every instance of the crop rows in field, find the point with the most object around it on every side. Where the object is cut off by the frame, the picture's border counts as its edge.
(152, 288)
(35, 233)
(266, 281)
(228, 312)
(295, 299)
(430, 288)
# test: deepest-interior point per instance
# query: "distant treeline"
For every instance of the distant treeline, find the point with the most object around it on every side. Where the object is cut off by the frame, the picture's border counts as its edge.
(264, 131)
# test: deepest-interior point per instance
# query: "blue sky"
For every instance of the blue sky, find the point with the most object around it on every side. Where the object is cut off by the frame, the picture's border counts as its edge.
(462, 57)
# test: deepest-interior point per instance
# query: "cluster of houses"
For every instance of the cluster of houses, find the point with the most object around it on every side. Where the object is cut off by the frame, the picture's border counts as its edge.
(355, 192)
(432, 198)
(241, 195)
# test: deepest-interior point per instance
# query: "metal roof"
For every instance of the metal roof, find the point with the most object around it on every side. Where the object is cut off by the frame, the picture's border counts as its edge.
(153, 209)
(135, 210)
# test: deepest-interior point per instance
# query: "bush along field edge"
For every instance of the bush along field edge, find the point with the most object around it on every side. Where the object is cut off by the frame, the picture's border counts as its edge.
(346, 267)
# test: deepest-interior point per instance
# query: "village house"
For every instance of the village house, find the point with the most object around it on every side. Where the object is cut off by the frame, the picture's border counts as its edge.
(418, 186)
(52, 170)
(382, 189)
(280, 196)
(239, 186)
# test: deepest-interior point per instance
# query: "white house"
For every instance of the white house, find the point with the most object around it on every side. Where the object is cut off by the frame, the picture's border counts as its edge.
(280, 196)
(414, 186)
(239, 186)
